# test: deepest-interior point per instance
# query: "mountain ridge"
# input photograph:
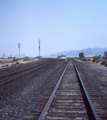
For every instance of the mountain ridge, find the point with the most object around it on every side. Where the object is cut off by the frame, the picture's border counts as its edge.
(87, 52)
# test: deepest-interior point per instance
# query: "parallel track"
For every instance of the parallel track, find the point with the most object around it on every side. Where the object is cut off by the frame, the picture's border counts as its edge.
(9, 77)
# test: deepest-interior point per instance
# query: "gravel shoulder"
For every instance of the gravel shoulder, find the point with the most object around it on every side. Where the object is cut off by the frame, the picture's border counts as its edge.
(19, 97)
(96, 75)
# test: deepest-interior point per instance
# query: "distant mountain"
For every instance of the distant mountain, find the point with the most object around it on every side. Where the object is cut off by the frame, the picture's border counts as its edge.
(87, 52)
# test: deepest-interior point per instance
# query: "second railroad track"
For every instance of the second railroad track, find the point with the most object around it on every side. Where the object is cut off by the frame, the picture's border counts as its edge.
(11, 76)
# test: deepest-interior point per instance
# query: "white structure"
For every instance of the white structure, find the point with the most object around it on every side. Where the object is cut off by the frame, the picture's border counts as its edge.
(62, 57)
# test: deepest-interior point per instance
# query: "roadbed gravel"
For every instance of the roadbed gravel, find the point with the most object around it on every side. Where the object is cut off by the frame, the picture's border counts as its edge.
(96, 75)
(19, 97)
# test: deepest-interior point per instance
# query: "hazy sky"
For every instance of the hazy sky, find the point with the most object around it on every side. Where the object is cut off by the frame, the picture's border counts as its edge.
(59, 24)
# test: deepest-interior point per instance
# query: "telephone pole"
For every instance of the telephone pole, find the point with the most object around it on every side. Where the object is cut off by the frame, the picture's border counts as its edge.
(4, 56)
(39, 48)
(10, 55)
(19, 46)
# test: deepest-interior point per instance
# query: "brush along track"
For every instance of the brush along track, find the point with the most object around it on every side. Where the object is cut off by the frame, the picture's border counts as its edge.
(9, 77)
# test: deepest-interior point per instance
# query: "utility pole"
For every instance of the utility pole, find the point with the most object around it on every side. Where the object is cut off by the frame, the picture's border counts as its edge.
(4, 56)
(19, 46)
(10, 55)
(39, 48)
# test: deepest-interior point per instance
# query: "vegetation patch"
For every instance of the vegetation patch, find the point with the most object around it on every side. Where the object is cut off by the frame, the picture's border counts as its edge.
(96, 59)
(83, 59)
(89, 59)
(15, 59)
(26, 59)
(104, 63)
(17, 62)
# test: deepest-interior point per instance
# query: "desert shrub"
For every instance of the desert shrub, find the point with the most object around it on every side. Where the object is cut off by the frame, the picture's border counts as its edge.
(26, 59)
(96, 59)
(89, 59)
(84, 59)
(93, 60)
(3, 66)
(106, 64)
(7, 65)
(17, 62)
(103, 62)
(15, 59)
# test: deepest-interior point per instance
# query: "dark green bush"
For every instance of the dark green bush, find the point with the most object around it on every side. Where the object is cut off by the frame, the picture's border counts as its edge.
(89, 59)
(26, 59)
(96, 59)
(93, 60)
(103, 62)
(84, 59)
(106, 64)
(17, 62)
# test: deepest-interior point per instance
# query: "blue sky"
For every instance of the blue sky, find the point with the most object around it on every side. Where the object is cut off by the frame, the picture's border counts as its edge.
(59, 24)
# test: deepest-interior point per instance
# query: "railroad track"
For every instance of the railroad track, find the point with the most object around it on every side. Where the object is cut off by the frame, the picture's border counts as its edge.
(15, 67)
(9, 77)
(68, 100)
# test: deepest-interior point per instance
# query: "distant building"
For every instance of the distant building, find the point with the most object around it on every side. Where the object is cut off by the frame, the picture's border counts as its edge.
(26, 57)
(39, 57)
(61, 57)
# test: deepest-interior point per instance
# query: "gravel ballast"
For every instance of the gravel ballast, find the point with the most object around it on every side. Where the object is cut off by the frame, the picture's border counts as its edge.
(19, 97)
(96, 76)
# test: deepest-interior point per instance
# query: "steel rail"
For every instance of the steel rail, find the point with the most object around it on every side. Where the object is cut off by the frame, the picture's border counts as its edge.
(3, 81)
(2, 76)
(93, 113)
(52, 95)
